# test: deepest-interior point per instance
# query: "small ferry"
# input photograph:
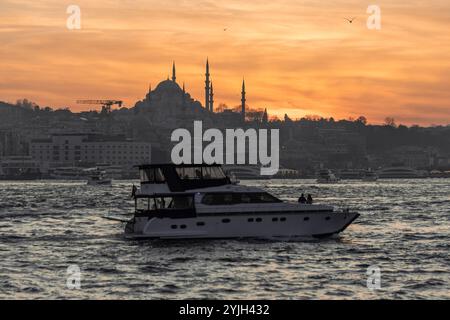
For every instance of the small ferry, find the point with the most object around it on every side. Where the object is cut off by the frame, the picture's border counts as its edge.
(98, 178)
(199, 201)
(350, 174)
(245, 172)
(112, 171)
(19, 168)
(398, 172)
(326, 176)
(369, 176)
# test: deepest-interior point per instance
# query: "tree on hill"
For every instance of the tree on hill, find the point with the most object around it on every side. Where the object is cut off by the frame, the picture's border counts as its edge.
(26, 104)
(389, 122)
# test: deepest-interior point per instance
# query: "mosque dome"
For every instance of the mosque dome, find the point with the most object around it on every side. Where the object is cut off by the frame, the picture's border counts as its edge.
(168, 86)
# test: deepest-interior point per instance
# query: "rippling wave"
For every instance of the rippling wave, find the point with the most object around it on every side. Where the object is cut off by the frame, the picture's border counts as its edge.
(46, 226)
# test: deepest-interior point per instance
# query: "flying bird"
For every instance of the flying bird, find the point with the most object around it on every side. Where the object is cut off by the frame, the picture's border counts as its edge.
(225, 29)
(350, 20)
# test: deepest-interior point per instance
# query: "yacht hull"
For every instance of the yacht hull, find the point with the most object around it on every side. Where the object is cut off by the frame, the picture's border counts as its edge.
(267, 226)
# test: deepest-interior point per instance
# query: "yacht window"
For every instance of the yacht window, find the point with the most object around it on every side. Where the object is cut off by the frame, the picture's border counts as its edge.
(189, 173)
(152, 175)
(198, 173)
(143, 204)
(164, 203)
(257, 198)
(175, 203)
(218, 199)
(183, 203)
(245, 198)
(213, 173)
(228, 198)
(265, 197)
(159, 177)
(236, 198)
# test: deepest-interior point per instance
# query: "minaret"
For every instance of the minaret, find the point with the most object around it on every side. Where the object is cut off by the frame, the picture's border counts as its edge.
(207, 86)
(174, 73)
(211, 99)
(265, 117)
(184, 94)
(243, 100)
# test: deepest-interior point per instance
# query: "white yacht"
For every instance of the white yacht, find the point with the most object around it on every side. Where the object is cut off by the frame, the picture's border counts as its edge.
(326, 176)
(199, 201)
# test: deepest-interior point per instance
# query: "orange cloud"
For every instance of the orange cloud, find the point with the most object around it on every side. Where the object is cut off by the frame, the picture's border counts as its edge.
(297, 57)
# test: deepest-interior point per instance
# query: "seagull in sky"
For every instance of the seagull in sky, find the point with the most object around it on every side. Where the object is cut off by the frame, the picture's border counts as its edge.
(350, 20)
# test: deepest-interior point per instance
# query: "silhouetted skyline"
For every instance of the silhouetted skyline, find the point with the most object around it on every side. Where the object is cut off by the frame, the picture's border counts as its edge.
(299, 59)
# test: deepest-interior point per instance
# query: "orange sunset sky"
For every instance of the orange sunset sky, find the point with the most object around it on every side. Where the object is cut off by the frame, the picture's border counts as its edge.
(298, 57)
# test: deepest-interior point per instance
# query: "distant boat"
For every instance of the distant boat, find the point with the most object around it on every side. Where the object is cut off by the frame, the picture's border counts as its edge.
(350, 174)
(113, 171)
(284, 173)
(98, 178)
(245, 172)
(369, 175)
(439, 174)
(326, 176)
(19, 168)
(398, 173)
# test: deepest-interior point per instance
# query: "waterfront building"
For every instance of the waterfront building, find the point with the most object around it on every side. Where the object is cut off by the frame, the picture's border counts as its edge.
(85, 149)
